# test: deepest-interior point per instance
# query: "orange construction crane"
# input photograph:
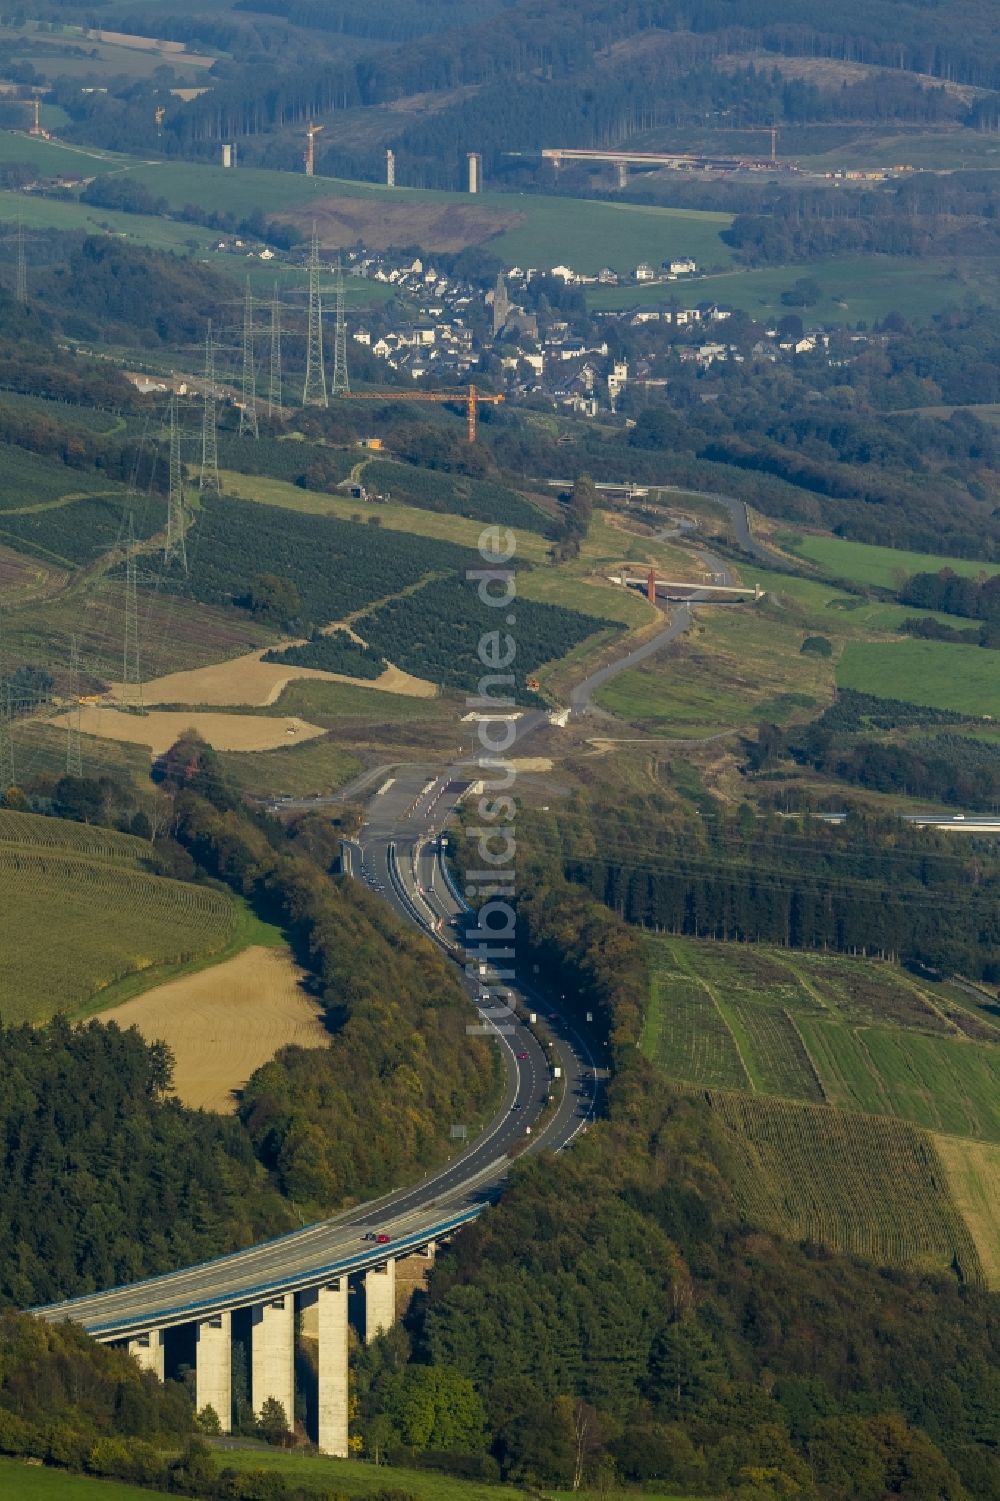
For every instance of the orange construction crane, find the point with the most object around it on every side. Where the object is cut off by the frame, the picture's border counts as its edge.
(473, 399)
(36, 128)
(312, 131)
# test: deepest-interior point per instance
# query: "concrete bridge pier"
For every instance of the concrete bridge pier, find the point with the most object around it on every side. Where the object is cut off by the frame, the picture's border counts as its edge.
(148, 1350)
(324, 1316)
(380, 1300)
(272, 1353)
(214, 1367)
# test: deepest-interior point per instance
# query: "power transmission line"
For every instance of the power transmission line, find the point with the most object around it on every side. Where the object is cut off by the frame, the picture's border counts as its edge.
(341, 383)
(21, 277)
(131, 693)
(7, 778)
(209, 478)
(248, 411)
(314, 386)
(176, 546)
(6, 719)
(274, 383)
(74, 753)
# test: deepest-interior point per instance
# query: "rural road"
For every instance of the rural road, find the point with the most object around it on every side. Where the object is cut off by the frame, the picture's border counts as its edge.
(581, 697)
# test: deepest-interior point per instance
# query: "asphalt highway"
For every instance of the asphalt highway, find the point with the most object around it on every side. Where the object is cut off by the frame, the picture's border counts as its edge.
(398, 856)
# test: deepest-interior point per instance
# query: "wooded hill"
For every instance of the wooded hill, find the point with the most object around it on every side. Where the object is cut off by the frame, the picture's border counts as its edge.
(551, 73)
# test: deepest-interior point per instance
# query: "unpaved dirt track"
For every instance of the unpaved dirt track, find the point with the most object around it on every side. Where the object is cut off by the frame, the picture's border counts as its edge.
(253, 683)
(224, 732)
(224, 1022)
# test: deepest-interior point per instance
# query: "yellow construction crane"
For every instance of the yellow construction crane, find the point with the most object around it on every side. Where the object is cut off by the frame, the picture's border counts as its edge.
(472, 399)
(312, 131)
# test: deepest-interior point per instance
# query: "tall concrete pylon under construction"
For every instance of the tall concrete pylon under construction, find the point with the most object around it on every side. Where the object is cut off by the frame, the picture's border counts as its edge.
(341, 383)
(209, 477)
(314, 387)
(248, 410)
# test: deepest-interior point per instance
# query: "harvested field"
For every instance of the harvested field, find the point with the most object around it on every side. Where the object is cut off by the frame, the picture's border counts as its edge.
(250, 681)
(224, 732)
(342, 221)
(224, 1022)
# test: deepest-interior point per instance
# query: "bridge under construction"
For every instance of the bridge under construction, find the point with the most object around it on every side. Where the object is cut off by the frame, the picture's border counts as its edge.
(679, 160)
(656, 588)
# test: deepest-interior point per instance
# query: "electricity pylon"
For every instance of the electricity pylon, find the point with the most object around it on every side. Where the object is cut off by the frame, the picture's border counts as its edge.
(248, 411)
(7, 778)
(314, 387)
(21, 278)
(341, 384)
(274, 383)
(74, 752)
(175, 550)
(131, 690)
(6, 720)
(209, 477)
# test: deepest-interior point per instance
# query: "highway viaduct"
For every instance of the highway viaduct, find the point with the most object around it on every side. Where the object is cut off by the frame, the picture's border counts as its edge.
(317, 1280)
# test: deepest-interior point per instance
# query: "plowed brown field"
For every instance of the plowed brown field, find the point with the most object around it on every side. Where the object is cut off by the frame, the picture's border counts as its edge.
(225, 1021)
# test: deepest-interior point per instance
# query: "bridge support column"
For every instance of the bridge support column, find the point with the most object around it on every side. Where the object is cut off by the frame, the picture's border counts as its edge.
(380, 1300)
(621, 174)
(214, 1367)
(325, 1316)
(148, 1350)
(272, 1354)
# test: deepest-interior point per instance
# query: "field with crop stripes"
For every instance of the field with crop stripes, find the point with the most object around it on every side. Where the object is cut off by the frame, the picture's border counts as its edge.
(76, 533)
(854, 1033)
(943, 1084)
(867, 1186)
(776, 1055)
(31, 479)
(687, 1036)
(866, 991)
(833, 1072)
(71, 838)
(90, 914)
